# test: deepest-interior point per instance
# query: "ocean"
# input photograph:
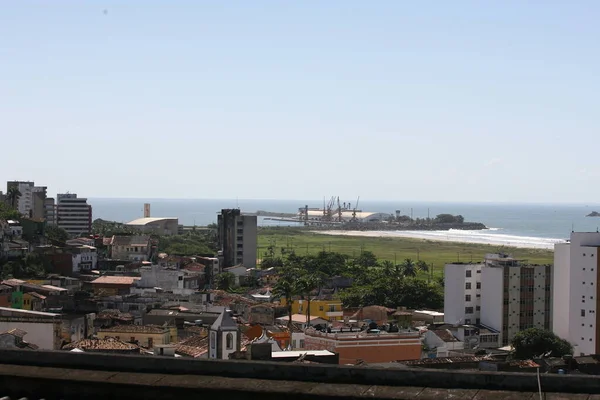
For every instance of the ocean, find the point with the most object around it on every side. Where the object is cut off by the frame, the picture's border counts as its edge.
(523, 225)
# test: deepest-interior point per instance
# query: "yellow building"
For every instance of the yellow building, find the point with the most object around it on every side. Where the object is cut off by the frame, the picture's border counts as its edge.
(33, 301)
(143, 335)
(329, 310)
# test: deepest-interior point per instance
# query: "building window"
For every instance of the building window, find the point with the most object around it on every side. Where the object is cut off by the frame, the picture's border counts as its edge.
(468, 285)
(477, 308)
(478, 285)
(150, 342)
(301, 343)
(583, 313)
(468, 297)
(213, 340)
(229, 341)
(321, 308)
(132, 340)
(468, 310)
(467, 321)
(468, 273)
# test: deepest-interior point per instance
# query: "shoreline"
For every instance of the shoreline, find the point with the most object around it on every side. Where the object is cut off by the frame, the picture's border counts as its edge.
(483, 237)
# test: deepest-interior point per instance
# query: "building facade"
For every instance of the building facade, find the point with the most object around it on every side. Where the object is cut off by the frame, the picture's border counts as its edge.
(502, 293)
(462, 293)
(237, 235)
(131, 248)
(73, 214)
(50, 211)
(329, 310)
(144, 335)
(31, 201)
(370, 348)
(576, 293)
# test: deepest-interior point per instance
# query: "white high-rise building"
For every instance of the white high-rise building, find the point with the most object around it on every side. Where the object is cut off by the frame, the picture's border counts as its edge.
(576, 292)
(502, 293)
(73, 214)
(462, 291)
(31, 200)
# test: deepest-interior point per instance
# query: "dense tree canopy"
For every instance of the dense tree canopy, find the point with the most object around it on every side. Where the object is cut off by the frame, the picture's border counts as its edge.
(534, 342)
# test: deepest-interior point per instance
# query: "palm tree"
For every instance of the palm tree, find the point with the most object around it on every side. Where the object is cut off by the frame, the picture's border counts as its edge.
(12, 195)
(285, 288)
(409, 268)
(422, 266)
(305, 285)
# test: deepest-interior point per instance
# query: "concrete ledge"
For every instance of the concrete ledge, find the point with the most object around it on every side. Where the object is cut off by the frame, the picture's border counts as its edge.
(520, 382)
(50, 383)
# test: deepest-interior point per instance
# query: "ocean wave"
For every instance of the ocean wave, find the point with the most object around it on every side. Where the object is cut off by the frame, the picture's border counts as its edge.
(461, 236)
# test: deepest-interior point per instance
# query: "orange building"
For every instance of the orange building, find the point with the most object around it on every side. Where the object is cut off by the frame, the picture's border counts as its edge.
(368, 347)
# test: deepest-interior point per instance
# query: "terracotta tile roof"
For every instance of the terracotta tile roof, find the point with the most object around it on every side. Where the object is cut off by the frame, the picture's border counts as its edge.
(445, 335)
(106, 241)
(115, 280)
(136, 329)
(16, 332)
(100, 344)
(130, 240)
(194, 346)
(37, 295)
(13, 282)
(114, 314)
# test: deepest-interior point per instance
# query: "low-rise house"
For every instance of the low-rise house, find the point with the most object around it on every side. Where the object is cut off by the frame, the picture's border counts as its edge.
(109, 318)
(143, 335)
(354, 347)
(377, 314)
(113, 285)
(108, 345)
(194, 347)
(439, 342)
(431, 317)
(14, 339)
(85, 258)
(74, 328)
(44, 329)
(34, 301)
(262, 314)
(239, 271)
(330, 310)
(131, 248)
(170, 280)
(301, 319)
(5, 295)
(15, 229)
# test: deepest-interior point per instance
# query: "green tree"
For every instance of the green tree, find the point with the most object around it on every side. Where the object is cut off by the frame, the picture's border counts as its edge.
(57, 234)
(305, 285)
(409, 268)
(7, 212)
(535, 342)
(286, 288)
(366, 259)
(225, 281)
(422, 266)
(12, 195)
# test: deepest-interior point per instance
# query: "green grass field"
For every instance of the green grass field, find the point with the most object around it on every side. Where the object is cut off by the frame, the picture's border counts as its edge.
(393, 249)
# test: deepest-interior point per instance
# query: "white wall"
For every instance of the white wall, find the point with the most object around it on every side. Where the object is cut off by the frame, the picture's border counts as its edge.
(492, 292)
(166, 279)
(40, 334)
(583, 291)
(455, 280)
(561, 290)
(514, 302)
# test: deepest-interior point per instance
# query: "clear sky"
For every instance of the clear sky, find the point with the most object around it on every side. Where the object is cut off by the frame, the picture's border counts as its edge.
(403, 100)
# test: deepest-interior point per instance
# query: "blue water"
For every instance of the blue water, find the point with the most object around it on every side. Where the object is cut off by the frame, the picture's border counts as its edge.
(513, 220)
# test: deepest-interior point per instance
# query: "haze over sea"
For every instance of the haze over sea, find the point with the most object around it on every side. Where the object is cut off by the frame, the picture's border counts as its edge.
(521, 225)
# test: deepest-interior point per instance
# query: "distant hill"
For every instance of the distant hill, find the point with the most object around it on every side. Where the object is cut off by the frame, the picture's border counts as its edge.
(593, 214)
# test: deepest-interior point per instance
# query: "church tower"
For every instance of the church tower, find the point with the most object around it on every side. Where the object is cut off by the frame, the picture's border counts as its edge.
(224, 337)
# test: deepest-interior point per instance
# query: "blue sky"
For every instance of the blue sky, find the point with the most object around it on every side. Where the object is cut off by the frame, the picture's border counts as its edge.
(438, 101)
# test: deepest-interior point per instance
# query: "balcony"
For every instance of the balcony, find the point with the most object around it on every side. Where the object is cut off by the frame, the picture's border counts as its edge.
(334, 313)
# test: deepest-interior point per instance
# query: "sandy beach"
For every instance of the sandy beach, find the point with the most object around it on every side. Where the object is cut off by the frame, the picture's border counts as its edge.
(488, 236)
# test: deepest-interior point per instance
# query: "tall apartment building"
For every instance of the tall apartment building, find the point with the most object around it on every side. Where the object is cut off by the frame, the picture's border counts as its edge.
(31, 201)
(50, 211)
(576, 316)
(502, 293)
(73, 214)
(237, 238)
